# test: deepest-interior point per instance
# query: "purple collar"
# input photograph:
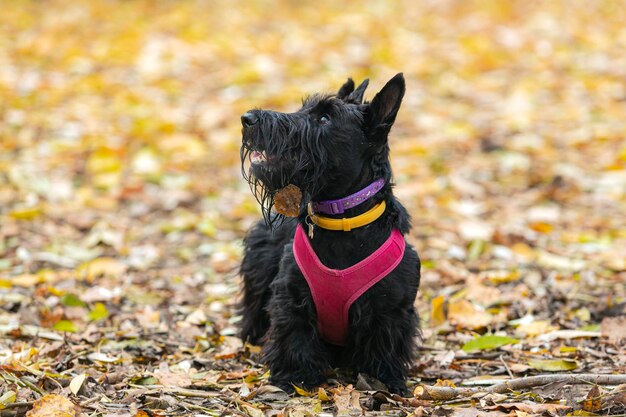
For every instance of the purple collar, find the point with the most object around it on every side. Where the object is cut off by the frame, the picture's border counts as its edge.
(340, 205)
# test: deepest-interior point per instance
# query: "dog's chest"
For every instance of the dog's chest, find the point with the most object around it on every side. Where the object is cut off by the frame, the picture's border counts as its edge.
(335, 290)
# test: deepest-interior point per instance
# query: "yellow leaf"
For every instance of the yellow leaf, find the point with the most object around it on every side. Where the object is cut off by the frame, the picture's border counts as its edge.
(206, 227)
(502, 276)
(322, 395)
(541, 227)
(104, 160)
(27, 213)
(52, 405)
(437, 312)
(568, 349)
(302, 392)
(182, 147)
(101, 267)
(523, 250)
(7, 398)
(553, 365)
(445, 383)
(55, 291)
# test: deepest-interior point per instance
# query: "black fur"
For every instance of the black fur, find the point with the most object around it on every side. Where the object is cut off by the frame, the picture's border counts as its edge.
(330, 148)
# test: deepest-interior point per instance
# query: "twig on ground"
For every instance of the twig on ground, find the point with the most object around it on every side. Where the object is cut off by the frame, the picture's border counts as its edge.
(425, 392)
(192, 393)
(199, 407)
(87, 403)
(28, 404)
(23, 382)
(508, 370)
(533, 381)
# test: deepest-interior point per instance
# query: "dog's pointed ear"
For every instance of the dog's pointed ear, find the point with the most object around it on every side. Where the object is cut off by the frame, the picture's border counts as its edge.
(385, 105)
(357, 95)
(346, 89)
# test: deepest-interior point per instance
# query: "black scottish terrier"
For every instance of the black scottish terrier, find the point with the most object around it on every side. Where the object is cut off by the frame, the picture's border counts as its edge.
(334, 146)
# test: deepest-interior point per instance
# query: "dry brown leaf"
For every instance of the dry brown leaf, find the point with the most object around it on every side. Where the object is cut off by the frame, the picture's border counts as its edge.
(593, 400)
(475, 412)
(287, 201)
(530, 407)
(614, 328)
(170, 379)
(465, 315)
(346, 400)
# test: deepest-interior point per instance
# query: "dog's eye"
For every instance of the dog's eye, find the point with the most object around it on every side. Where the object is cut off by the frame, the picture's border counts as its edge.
(324, 119)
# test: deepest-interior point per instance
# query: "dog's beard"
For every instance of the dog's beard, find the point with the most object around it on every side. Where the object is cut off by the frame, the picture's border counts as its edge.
(262, 191)
(269, 165)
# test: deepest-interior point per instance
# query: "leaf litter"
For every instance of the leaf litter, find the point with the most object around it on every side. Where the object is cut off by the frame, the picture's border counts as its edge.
(122, 209)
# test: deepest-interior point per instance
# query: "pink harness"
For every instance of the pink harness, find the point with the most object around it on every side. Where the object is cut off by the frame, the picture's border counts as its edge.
(334, 290)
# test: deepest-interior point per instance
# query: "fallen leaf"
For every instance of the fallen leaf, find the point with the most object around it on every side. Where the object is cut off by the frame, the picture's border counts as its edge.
(475, 412)
(102, 357)
(77, 383)
(487, 342)
(530, 407)
(464, 314)
(101, 267)
(287, 201)
(535, 328)
(437, 312)
(52, 405)
(169, 378)
(552, 261)
(567, 334)
(593, 400)
(553, 365)
(6, 399)
(65, 326)
(72, 300)
(614, 328)
(302, 392)
(346, 400)
(98, 312)
(27, 213)
(322, 395)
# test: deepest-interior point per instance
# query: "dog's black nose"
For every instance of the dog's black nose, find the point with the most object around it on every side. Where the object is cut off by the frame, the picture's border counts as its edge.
(249, 119)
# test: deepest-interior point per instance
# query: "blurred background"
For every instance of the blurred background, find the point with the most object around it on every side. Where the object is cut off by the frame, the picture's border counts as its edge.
(121, 198)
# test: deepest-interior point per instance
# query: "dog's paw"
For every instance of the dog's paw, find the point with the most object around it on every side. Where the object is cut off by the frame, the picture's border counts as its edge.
(290, 387)
(397, 387)
(283, 385)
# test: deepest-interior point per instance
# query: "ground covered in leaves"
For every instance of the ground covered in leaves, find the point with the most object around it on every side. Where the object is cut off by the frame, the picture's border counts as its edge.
(122, 207)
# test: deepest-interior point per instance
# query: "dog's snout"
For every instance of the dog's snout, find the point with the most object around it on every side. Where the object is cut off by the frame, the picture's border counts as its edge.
(249, 119)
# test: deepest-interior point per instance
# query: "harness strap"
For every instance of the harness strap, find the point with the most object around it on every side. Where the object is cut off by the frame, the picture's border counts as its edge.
(334, 290)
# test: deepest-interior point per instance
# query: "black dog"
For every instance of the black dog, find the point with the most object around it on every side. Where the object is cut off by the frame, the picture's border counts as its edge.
(333, 147)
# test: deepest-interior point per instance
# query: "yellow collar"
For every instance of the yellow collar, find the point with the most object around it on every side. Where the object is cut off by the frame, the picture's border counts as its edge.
(347, 224)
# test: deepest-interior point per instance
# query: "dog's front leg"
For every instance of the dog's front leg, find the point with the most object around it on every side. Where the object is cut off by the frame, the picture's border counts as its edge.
(293, 349)
(384, 347)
